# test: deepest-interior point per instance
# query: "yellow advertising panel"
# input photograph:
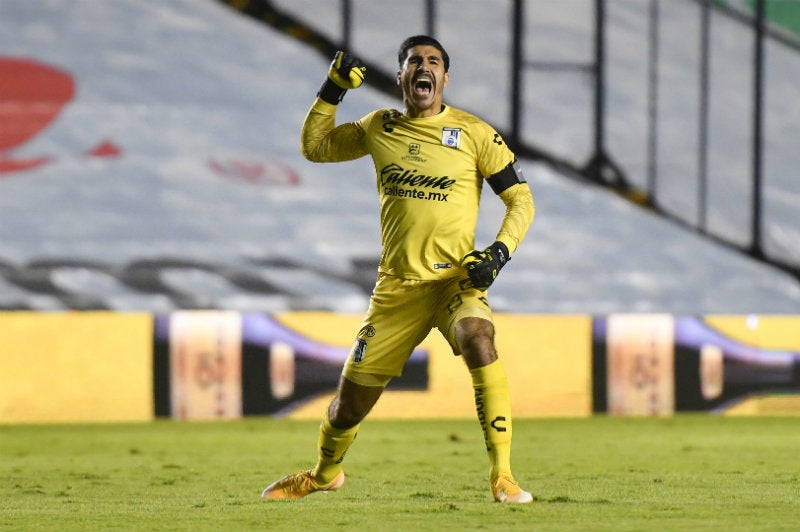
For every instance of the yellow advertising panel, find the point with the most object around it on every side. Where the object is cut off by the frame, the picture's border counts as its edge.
(658, 364)
(111, 366)
(547, 359)
(771, 333)
(75, 366)
(764, 331)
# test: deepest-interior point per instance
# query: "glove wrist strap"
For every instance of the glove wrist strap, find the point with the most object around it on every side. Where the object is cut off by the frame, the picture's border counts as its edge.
(501, 252)
(331, 92)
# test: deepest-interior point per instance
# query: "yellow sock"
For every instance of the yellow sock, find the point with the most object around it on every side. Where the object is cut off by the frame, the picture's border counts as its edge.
(332, 446)
(493, 403)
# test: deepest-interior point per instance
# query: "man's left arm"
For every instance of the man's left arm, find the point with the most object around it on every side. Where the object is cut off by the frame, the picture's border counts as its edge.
(510, 185)
(520, 208)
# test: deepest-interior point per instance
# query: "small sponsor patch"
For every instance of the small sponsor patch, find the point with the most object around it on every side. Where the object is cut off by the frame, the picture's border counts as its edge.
(451, 137)
(442, 266)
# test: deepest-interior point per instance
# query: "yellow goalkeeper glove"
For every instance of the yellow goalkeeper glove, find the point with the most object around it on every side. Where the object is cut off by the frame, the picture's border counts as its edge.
(483, 266)
(346, 72)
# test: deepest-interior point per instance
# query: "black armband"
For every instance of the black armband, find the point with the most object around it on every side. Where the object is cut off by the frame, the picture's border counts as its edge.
(506, 178)
(331, 92)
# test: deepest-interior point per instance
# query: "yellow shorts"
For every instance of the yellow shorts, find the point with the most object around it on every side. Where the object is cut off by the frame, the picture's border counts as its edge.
(401, 314)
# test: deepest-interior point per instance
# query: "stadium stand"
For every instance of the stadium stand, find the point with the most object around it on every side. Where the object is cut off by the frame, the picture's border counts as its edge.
(161, 171)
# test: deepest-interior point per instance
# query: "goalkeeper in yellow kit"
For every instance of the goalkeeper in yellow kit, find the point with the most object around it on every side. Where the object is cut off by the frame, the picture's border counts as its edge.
(431, 161)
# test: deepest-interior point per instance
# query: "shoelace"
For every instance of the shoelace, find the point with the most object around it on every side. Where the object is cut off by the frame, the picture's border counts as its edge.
(298, 480)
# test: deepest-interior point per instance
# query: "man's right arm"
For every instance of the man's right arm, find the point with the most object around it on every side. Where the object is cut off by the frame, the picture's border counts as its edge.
(324, 142)
(321, 139)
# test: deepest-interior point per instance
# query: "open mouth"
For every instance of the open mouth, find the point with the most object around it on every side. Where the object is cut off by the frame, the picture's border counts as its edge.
(423, 86)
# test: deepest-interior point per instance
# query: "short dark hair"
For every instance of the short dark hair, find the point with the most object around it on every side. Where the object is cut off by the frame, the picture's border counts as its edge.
(418, 40)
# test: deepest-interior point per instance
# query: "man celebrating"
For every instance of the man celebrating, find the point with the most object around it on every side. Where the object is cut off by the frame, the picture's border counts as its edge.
(431, 161)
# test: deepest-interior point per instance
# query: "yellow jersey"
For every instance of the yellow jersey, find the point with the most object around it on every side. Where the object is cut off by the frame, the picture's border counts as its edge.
(429, 176)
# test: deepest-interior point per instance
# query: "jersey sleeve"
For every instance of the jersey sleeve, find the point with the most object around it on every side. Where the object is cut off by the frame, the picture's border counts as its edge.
(499, 166)
(323, 141)
(493, 154)
(520, 210)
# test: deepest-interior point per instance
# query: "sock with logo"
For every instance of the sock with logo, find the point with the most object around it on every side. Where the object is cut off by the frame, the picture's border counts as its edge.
(332, 446)
(493, 404)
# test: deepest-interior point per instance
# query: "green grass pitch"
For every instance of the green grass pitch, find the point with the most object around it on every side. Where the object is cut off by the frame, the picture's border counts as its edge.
(681, 473)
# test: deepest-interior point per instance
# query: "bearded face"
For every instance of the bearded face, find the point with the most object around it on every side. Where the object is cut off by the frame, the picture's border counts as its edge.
(423, 78)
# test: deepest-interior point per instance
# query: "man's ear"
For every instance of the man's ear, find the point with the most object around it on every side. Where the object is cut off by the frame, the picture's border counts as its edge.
(446, 78)
(398, 77)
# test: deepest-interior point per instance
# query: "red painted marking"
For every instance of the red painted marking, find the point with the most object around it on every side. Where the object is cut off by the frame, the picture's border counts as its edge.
(105, 149)
(7, 164)
(32, 95)
(275, 172)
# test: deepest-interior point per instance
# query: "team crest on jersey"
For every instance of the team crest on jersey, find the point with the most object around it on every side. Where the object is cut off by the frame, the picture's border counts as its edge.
(451, 137)
(414, 150)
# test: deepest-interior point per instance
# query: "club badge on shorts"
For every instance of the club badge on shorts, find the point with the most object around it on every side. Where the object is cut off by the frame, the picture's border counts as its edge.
(359, 350)
(451, 137)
